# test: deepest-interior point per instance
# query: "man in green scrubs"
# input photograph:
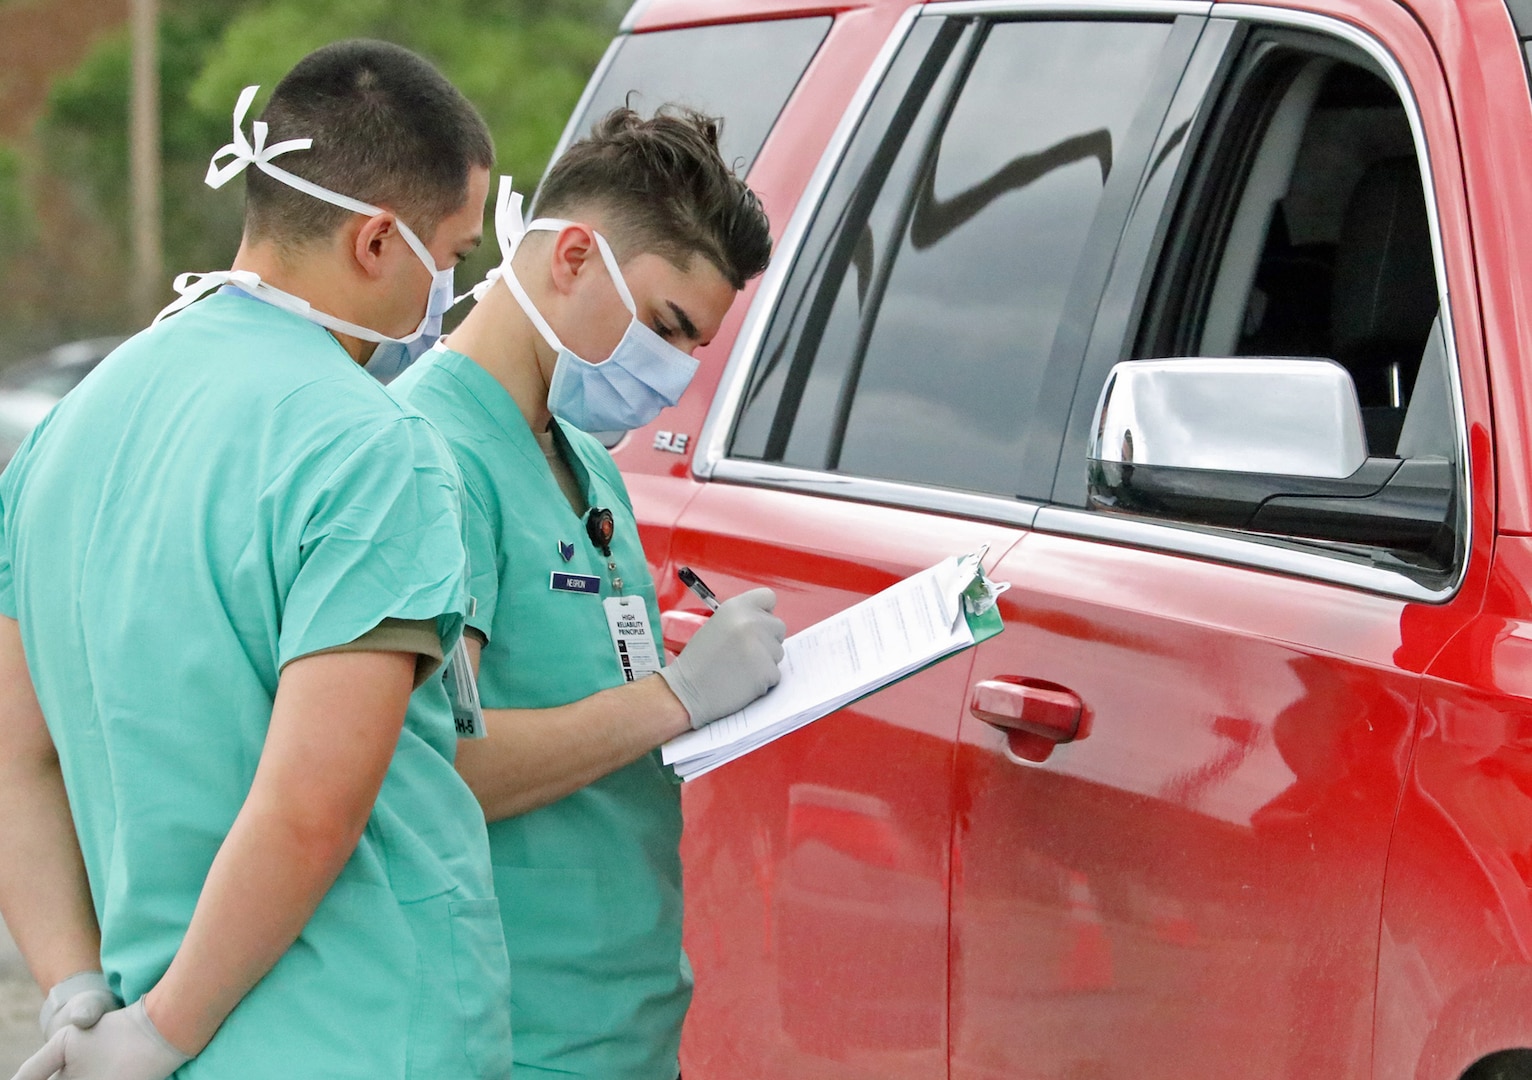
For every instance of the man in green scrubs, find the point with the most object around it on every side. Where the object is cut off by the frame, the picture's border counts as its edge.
(585, 823)
(226, 560)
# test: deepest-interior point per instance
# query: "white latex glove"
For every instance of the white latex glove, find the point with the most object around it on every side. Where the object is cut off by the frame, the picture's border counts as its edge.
(80, 1000)
(123, 1045)
(731, 660)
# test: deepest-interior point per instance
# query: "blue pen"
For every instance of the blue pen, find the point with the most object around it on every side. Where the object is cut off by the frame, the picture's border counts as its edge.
(698, 586)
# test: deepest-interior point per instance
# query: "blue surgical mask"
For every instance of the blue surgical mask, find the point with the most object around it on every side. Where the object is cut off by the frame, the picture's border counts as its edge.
(644, 374)
(390, 358)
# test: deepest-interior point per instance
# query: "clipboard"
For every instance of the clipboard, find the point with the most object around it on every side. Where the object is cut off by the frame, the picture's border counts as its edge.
(929, 616)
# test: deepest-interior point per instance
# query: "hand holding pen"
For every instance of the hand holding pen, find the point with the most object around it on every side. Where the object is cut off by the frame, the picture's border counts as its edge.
(733, 658)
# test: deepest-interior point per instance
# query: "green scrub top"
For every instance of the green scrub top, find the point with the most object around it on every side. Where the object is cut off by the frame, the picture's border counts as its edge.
(226, 492)
(590, 886)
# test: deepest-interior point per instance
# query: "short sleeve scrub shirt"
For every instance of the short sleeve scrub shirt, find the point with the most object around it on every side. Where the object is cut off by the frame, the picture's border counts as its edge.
(590, 886)
(227, 492)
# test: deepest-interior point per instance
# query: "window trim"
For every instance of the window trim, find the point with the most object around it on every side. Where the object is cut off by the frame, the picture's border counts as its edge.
(1169, 8)
(896, 493)
(1234, 549)
(1242, 550)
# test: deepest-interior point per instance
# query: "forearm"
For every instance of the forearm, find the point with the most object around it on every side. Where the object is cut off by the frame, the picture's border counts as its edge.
(264, 885)
(44, 895)
(533, 757)
(334, 727)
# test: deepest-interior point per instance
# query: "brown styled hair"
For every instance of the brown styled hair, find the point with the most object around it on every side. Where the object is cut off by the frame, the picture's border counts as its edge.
(388, 129)
(664, 189)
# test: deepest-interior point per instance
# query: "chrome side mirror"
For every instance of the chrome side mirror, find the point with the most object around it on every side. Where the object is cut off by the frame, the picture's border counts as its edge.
(1265, 444)
(1282, 416)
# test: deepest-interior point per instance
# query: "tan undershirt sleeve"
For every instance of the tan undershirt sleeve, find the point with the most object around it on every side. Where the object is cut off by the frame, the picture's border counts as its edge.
(416, 636)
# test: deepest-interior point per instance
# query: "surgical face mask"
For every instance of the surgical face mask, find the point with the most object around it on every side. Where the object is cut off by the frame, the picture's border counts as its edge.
(243, 153)
(390, 358)
(628, 389)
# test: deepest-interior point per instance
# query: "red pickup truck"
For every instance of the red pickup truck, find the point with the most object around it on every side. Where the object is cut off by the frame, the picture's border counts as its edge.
(1212, 321)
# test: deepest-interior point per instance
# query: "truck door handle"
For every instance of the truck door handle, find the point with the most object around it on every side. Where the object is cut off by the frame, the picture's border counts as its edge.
(1034, 715)
(677, 628)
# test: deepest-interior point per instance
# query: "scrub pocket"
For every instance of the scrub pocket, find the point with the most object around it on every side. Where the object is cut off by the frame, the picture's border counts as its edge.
(557, 932)
(460, 1024)
(483, 984)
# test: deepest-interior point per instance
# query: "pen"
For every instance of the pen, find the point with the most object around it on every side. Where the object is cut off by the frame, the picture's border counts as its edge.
(698, 586)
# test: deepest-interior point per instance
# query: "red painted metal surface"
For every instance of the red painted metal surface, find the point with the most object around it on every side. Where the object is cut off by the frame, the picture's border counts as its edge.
(1197, 886)
(1455, 947)
(819, 864)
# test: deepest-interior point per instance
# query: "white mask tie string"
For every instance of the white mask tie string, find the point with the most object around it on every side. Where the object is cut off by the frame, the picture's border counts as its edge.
(243, 153)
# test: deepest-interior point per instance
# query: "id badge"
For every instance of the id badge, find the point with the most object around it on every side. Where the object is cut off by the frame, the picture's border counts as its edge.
(463, 693)
(627, 617)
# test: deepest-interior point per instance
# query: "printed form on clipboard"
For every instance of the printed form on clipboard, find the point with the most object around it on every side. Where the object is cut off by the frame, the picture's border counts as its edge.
(908, 626)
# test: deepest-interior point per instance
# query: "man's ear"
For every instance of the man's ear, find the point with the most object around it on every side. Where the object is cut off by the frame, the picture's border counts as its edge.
(371, 240)
(574, 252)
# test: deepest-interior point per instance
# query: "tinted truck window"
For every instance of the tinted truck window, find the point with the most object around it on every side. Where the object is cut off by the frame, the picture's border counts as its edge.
(743, 72)
(914, 347)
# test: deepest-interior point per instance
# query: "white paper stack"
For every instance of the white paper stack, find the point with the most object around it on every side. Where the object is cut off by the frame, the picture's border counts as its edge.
(834, 662)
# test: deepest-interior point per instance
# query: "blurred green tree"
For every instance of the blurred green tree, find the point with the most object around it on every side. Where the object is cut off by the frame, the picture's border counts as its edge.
(15, 218)
(522, 62)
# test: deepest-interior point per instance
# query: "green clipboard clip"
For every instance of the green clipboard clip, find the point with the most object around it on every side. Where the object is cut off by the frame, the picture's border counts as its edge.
(978, 602)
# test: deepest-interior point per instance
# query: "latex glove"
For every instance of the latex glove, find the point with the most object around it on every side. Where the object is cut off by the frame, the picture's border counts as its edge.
(80, 1000)
(731, 660)
(123, 1045)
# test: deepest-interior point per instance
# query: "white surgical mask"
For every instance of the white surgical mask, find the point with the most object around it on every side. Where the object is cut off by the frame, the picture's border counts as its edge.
(242, 153)
(628, 389)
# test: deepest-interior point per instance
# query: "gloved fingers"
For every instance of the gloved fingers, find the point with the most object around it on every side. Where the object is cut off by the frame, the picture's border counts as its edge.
(81, 1000)
(47, 1061)
(731, 660)
(767, 645)
(85, 1010)
(761, 598)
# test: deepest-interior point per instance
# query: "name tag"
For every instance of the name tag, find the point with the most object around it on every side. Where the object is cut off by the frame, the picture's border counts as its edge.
(627, 618)
(580, 583)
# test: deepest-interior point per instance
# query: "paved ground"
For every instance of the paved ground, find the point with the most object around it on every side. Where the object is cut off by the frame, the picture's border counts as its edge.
(19, 999)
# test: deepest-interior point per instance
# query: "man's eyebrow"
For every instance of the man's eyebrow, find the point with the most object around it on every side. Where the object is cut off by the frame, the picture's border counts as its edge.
(688, 328)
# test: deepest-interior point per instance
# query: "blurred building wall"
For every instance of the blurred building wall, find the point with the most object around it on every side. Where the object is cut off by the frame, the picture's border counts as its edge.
(40, 39)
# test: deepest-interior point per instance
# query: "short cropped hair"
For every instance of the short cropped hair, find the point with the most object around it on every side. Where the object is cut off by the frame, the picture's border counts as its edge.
(388, 129)
(664, 189)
